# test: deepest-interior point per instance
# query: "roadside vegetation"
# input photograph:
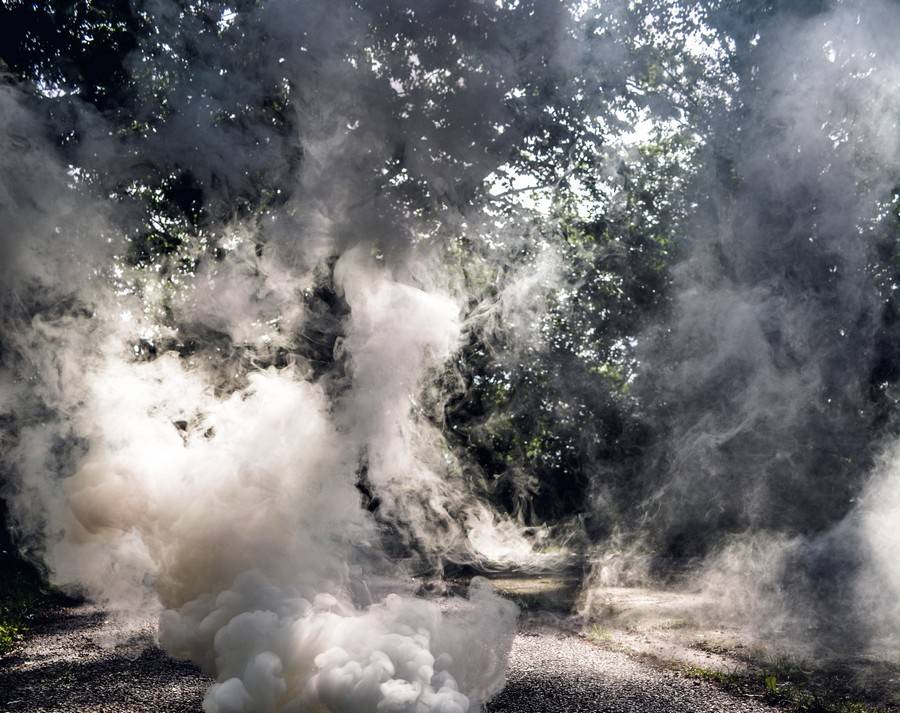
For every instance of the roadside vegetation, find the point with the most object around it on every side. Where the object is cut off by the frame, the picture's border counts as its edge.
(25, 593)
(792, 686)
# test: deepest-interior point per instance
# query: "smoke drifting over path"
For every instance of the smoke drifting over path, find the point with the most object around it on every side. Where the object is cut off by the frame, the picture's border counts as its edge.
(239, 417)
(769, 371)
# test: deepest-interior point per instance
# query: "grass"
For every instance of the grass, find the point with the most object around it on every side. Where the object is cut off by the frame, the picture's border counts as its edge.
(675, 624)
(786, 684)
(729, 680)
(600, 635)
(23, 594)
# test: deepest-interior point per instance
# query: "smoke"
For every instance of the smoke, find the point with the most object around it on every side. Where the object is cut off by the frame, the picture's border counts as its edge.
(238, 416)
(233, 510)
(763, 376)
(193, 438)
(240, 515)
(226, 324)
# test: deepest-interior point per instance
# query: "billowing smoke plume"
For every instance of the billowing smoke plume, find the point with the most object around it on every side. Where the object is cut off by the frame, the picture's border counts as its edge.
(200, 438)
(233, 508)
(317, 295)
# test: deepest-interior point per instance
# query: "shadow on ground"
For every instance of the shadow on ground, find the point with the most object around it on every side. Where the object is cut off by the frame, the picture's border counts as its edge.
(81, 660)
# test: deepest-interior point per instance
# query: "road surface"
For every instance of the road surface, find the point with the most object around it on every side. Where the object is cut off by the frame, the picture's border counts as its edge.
(84, 659)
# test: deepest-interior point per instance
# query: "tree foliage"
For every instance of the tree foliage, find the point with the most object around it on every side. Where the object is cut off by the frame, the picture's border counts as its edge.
(587, 145)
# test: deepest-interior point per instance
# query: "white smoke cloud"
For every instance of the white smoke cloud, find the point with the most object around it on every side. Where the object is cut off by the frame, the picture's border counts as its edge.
(232, 508)
(238, 514)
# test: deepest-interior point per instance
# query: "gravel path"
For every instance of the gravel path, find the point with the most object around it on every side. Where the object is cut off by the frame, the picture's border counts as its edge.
(84, 660)
(556, 672)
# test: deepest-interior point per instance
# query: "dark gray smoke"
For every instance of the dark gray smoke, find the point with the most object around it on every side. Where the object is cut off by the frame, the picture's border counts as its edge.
(768, 376)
